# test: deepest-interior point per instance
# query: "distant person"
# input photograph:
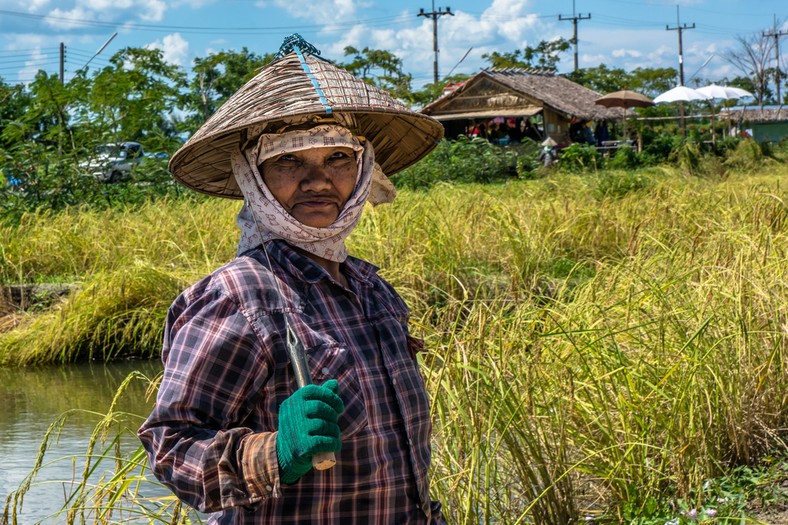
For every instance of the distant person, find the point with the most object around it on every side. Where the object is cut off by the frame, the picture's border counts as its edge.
(601, 133)
(548, 154)
(530, 131)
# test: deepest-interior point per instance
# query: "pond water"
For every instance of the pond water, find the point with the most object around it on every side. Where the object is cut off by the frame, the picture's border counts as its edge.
(32, 399)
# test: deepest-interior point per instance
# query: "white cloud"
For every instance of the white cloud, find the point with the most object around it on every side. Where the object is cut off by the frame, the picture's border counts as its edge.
(152, 10)
(622, 53)
(105, 10)
(319, 11)
(175, 49)
(71, 19)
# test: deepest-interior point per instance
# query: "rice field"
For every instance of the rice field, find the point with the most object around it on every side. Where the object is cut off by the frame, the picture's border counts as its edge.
(591, 354)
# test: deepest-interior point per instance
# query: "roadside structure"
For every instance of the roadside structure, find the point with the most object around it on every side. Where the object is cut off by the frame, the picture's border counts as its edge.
(764, 124)
(555, 103)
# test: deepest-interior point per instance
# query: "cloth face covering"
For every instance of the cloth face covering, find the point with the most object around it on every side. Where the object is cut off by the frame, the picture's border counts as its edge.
(263, 218)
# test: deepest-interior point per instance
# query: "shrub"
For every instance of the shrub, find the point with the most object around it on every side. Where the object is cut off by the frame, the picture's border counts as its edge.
(620, 183)
(460, 160)
(661, 147)
(687, 157)
(747, 155)
(580, 157)
(625, 158)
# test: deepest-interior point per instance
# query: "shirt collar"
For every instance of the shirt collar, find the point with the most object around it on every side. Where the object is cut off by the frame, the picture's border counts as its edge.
(302, 268)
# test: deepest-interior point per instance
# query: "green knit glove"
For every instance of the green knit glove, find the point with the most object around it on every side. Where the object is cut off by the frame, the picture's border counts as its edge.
(307, 425)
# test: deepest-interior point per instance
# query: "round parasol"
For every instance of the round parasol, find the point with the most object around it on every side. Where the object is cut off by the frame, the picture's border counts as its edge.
(624, 99)
(680, 94)
(714, 91)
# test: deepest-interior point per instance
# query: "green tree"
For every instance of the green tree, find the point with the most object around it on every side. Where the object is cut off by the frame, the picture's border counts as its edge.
(602, 79)
(432, 91)
(47, 115)
(14, 103)
(134, 98)
(379, 68)
(215, 78)
(545, 55)
(651, 81)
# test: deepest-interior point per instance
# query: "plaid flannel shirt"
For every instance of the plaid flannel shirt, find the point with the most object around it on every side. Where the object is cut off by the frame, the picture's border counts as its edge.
(211, 437)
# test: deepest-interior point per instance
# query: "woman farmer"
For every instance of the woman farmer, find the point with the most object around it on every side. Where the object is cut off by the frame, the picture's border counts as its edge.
(235, 428)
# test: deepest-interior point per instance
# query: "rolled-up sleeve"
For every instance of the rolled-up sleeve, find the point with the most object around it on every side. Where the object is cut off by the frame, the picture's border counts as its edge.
(196, 438)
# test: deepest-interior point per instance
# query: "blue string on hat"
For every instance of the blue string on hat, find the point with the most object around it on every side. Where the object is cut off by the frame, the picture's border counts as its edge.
(290, 43)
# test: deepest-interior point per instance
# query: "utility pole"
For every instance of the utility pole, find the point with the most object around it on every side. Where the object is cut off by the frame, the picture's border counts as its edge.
(62, 62)
(575, 18)
(776, 34)
(681, 29)
(435, 15)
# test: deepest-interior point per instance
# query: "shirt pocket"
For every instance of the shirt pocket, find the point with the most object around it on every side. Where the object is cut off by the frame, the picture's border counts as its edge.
(335, 361)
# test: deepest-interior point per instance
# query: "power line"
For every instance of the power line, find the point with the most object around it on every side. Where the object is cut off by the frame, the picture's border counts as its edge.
(210, 30)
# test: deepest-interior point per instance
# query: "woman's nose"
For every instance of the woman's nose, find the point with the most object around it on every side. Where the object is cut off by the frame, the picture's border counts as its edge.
(316, 176)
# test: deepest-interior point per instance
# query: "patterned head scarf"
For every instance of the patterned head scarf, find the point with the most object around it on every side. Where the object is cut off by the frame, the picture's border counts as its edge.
(263, 218)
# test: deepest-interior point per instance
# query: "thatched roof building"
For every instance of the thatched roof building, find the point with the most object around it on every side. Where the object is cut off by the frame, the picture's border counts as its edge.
(767, 124)
(519, 93)
(754, 113)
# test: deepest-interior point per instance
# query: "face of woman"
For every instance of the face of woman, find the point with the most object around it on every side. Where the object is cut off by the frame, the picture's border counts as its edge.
(313, 185)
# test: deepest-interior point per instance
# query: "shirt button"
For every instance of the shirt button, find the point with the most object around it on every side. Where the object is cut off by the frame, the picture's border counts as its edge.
(269, 488)
(325, 371)
(394, 382)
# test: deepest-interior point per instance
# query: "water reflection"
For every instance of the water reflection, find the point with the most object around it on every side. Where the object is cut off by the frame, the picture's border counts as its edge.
(31, 399)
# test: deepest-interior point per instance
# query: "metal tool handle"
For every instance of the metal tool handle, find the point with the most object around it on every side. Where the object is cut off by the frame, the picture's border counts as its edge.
(321, 460)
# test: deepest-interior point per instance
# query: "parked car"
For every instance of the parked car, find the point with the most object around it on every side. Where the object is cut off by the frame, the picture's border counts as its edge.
(114, 162)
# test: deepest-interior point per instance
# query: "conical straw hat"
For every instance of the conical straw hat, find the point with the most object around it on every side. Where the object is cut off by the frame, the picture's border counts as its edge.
(298, 84)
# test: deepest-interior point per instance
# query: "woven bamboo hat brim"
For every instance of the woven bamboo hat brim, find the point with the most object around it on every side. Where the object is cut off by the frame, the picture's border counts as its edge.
(294, 85)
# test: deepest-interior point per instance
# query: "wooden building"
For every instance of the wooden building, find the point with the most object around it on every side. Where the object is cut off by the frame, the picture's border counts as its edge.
(519, 93)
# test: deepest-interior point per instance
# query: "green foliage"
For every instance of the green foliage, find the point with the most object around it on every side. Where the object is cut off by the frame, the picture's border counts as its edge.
(57, 182)
(661, 146)
(431, 91)
(215, 78)
(632, 348)
(747, 156)
(617, 184)
(648, 81)
(625, 158)
(460, 160)
(545, 55)
(602, 79)
(132, 98)
(579, 157)
(687, 156)
(391, 77)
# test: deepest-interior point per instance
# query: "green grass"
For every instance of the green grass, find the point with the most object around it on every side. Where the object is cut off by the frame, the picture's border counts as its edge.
(595, 347)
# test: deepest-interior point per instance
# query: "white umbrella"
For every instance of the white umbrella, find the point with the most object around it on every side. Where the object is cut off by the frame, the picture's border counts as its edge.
(714, 91)
(680, 94)
(741, 93)
(723, 92)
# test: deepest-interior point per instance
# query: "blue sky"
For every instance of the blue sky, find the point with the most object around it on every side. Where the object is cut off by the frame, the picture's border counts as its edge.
(620, 33)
